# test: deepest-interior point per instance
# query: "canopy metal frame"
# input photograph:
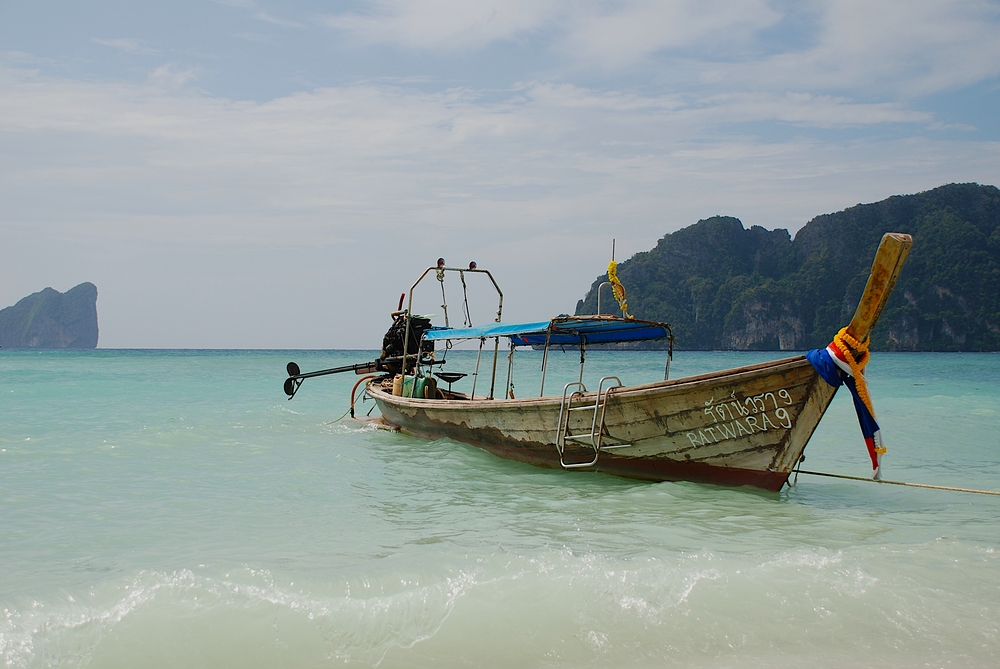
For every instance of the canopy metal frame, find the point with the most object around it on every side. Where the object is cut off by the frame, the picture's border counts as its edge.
(572, 331)
(440, 271)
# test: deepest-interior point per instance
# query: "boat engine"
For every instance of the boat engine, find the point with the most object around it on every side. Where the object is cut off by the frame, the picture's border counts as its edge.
(392, 343)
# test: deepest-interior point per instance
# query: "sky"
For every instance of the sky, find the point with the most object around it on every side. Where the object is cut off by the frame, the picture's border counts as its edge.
(273, 174)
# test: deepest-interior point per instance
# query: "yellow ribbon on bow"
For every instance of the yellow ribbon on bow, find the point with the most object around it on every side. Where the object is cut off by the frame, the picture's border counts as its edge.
(617, 288)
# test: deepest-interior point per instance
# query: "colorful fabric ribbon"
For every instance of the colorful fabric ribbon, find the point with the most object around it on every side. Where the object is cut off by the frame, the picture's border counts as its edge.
(830, 363)
(617, 288)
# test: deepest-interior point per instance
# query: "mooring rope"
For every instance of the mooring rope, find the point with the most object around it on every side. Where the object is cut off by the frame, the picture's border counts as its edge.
(903, 483)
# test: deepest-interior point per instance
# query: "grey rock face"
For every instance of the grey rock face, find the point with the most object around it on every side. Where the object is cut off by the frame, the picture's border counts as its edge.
(50, 319)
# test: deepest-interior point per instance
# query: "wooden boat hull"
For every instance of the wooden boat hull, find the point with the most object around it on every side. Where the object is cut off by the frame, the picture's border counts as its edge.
(744, 426)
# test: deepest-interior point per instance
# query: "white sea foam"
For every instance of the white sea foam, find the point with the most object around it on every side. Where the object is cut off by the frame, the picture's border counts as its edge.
(565, 606)
(358, 627)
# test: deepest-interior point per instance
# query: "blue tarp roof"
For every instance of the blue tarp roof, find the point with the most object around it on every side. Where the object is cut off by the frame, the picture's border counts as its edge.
(565, 331)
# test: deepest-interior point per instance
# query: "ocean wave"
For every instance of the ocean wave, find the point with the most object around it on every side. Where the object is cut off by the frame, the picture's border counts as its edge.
(108, 622)
(524, 607)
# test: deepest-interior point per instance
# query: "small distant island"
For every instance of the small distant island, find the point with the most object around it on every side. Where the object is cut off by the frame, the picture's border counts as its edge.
(50, 319)
(722, 286)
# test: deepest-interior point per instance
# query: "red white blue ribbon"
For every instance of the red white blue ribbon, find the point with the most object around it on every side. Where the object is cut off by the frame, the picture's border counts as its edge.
(836, 371)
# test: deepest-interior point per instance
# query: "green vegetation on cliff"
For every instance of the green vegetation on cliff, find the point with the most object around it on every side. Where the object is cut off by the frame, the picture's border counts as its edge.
(722, 286)
(50, 319)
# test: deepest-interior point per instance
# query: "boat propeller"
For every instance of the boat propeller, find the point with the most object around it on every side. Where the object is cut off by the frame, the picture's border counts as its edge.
(295, 375)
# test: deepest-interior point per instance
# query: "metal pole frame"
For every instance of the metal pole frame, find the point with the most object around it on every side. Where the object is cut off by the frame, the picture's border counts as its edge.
(496, 354)
(545, 357)
(606, 283)
(475, 375)
(409, 309)
(510, 371)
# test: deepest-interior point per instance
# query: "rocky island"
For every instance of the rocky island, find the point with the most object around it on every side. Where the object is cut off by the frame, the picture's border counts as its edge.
(722, 286)
(50, 319)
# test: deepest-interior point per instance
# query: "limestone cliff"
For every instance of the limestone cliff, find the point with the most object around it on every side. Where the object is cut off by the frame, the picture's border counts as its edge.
(50, 319)
(722, 286)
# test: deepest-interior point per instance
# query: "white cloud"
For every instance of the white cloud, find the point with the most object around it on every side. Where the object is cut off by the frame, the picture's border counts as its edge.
(932, 45)
(569, 96)
(609, 35)
(445, 24)
(255, 10)
(255, 37)
(386, 153)
(909, 47)
(819, 111)
(227, 215)
(270, 18)
(620, 35)
(351, 173)
(172, 76)
(128, 45)
(882, 47)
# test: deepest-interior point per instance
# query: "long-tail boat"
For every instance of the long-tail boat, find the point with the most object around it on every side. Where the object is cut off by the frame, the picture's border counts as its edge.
(742, 426)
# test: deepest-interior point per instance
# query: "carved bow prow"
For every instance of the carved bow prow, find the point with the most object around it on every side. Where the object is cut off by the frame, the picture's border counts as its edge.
(889, 259)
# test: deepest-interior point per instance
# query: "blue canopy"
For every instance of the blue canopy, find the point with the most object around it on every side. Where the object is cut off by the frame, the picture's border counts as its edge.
(561, 331)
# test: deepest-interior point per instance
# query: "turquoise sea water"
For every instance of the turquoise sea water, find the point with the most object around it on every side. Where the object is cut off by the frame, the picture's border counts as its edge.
(172, 509)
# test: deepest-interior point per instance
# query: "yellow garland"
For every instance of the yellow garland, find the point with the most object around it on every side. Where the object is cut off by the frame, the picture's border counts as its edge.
(617, 288)
(846, 343)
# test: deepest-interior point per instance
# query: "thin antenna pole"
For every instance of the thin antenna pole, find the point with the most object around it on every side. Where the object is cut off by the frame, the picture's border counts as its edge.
(612, 249)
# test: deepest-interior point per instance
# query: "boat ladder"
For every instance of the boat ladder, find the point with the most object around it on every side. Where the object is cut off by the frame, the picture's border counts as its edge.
(592, 438)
